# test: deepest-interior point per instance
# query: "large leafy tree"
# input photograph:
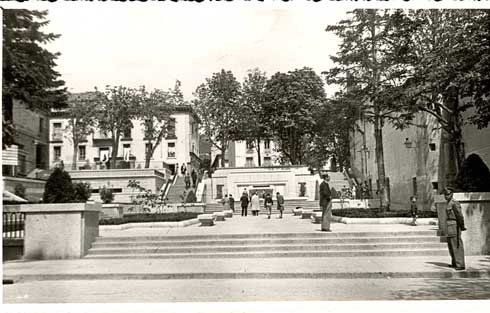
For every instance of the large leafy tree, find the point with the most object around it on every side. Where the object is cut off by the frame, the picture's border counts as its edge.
(217, 104)
(291, 101)
(116, 108)
(253, 125)
(28, 67)
(370, 67)
(155, 112)
(449, 72)
(82, 114)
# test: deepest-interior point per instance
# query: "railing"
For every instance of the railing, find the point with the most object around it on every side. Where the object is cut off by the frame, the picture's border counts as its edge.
(120, 164)
(13, 225)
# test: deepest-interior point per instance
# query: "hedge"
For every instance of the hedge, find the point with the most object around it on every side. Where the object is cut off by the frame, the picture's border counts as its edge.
(149, 217)
(375, 213)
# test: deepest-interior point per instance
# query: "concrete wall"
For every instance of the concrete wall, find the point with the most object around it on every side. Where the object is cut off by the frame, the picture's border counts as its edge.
(34, 188)
(148, 178)
(59, 231)
(476, 212)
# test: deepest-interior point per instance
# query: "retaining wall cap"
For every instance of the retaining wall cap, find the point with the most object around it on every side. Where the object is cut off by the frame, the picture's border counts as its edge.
(472, 196)
(60, 207)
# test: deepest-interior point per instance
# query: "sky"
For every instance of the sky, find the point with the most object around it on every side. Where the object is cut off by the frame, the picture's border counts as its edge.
(154, 46)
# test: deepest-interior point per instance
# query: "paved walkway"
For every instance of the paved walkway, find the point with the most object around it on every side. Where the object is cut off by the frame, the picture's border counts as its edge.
(260, 224)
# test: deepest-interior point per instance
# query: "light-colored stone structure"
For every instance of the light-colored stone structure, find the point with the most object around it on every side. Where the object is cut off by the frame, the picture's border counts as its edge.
(60, 230)
(34, 188)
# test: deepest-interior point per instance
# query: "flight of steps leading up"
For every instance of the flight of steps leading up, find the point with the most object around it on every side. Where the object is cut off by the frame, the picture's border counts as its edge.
(176, 190)
(270, 245)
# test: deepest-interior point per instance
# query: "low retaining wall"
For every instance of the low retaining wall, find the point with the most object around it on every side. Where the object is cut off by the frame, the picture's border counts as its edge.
(149, 225)
(59, 230)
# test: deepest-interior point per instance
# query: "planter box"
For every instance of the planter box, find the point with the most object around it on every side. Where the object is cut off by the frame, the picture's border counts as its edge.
(111, 210)
(475, 207)
(59, 230)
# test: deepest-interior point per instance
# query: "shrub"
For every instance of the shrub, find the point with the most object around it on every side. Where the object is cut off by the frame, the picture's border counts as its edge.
(474, 175)
(20, 190)
(106, 195)
(378, 213)
(58, 188)
(82, 192)
(191, 197)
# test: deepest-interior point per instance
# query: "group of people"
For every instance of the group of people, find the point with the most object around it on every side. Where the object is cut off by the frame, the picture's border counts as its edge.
(253, 202)
(188, 179)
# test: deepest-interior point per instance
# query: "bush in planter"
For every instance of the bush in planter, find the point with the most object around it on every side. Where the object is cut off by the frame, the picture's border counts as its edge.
(20, 190)
(474, 175)
(191, 197)
(378, 213)
(58, 188)
(106, 195)
(82, 192)
(149, 217)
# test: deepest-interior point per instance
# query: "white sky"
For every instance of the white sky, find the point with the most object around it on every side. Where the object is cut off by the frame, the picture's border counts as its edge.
(154, 46)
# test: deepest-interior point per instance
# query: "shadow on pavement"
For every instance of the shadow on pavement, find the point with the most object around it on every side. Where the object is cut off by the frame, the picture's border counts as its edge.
(440, 264)
(445, 289)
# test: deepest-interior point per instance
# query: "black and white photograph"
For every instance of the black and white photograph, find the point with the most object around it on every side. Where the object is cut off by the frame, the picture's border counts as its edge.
(244, 154)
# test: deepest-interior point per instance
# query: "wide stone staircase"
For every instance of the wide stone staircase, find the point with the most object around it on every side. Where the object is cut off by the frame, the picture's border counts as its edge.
(175, 191)
(270, 245)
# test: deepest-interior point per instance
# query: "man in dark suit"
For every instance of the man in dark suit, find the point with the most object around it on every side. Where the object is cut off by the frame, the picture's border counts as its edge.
(325, 203)
(455, 225)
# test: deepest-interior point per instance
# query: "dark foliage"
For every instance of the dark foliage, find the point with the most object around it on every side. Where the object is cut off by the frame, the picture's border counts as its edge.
(149, 217)
(106, 195)
(82, 192)
(59, 188)
(191, 197)
(474, 175)
(378, 213)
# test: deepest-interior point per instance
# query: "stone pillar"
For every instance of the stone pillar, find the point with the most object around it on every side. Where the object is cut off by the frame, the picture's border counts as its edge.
(475, 207)
(59, 230)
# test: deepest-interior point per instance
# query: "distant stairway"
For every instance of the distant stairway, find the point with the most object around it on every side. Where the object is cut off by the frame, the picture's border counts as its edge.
(176, 190)
(270, 245)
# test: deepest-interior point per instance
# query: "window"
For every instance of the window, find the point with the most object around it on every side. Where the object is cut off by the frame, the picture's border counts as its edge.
(104, 154)
(57, 153)
(41, 125)
(127, 133)
(249, 162)
(219, 191)
(267, 161)
(171, 128)
(81, 153)
(22, 165)
(250, 145)
(57, 132)
(171, 149)
(432, 146)
(435, 185)
(126, 151)
(414, 185)
(267, 144)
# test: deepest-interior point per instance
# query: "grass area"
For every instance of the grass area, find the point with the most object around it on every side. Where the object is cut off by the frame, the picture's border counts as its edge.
(149, 217)
(377, 213)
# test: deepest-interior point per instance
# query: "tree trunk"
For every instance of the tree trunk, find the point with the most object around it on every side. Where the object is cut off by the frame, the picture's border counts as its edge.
(258, 152)
(148, 155)
(383, 190)
(115, 148)
(75, 155)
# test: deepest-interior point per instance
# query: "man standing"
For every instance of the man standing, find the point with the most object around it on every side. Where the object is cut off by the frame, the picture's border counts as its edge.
(194, 178)
(280, 203)
(244, 203)
(232, 203)
(455, 225)
(325, 203)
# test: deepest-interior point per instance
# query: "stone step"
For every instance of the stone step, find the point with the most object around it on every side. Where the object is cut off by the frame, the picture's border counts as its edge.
(262, 241)
(264, 248)
(362, 234)
(278, 254)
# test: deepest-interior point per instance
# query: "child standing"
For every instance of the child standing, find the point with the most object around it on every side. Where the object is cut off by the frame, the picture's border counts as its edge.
(413, 210)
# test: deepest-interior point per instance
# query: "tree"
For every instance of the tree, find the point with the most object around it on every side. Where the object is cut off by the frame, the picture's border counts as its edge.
(82, 113)
(449, 72)
(253, 125)
(370, 68)
(28, 68)
(291, 101)
(58, 188)
(155, 115)
(117, 106)
(217, 105)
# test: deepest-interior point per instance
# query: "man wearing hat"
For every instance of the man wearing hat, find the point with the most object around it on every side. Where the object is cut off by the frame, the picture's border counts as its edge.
(325, 203)
(455, 225)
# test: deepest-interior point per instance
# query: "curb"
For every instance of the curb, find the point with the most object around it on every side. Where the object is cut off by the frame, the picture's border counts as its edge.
(307, 275)
(384, 220)
(149, 225)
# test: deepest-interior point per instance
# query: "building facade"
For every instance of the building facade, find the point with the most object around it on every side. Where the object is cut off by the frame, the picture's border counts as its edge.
(30, 150)
(181, 146)
(415, 159)
(245, 154)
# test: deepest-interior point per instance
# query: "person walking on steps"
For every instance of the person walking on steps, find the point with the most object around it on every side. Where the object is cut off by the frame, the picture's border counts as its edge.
(255, 204)
(280, 203)
(244, 204)
(455, 225)
(325, 203)
(268, 203)
(231, 200)
(413, 210)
